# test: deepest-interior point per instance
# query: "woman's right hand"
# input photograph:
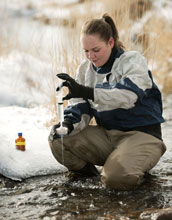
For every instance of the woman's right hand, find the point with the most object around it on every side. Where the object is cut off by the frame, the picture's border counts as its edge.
(57, 133)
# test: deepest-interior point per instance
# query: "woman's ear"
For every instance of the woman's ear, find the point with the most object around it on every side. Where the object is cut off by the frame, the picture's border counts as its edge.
(111, 42)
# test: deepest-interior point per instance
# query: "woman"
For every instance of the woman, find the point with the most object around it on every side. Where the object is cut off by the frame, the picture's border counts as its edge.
(117, 89)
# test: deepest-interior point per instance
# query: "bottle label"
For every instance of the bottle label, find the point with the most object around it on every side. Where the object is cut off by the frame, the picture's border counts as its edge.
(20, 143)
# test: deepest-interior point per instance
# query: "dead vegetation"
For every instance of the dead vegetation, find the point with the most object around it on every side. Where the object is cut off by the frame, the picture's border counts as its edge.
(150, 39)
(153, 39)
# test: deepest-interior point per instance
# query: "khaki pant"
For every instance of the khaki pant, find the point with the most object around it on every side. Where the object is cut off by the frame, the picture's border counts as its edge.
(125, 156)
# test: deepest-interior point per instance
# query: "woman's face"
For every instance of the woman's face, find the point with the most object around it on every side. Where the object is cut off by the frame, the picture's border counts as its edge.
(96, 50)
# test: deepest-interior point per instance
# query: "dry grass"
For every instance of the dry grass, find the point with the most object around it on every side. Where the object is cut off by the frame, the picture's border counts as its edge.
(5, 46)
(154, 40)
(159, 49)
(150, 41)
(61, 61)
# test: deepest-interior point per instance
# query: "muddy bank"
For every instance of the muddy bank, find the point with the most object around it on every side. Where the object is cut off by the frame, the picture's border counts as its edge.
(54, 197)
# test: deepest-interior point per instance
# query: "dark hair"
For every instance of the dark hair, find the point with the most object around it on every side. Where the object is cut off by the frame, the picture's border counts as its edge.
(105, 28)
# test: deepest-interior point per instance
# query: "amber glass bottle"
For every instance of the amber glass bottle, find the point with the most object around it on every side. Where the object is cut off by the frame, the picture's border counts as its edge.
(20, 142)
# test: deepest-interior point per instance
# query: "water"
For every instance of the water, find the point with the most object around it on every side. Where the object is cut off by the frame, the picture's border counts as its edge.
(63, 162)
(55, 197)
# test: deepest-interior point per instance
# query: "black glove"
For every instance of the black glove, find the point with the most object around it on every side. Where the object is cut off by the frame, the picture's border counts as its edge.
(68, 124)
(75, 89)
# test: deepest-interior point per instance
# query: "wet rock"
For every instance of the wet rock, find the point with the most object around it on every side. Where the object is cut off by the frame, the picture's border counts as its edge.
(8, 183)
(163, 214)
(23, 190)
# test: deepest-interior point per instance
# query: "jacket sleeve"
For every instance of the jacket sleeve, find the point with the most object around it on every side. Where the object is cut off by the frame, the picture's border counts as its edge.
(78, 110)
(127, 83)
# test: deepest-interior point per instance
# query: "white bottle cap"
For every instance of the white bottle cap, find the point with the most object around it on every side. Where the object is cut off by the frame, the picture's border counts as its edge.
(62, 130)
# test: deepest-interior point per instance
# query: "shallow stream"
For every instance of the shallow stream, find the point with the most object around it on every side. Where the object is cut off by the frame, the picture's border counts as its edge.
(55, 197)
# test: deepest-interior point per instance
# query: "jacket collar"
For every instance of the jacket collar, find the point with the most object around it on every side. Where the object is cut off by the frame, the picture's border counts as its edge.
(106, 68)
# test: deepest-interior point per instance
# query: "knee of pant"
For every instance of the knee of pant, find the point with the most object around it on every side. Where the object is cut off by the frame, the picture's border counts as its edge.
(119, 178)
(125, 182)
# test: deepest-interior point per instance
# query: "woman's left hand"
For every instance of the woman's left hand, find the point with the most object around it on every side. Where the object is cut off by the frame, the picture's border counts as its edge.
(76, 90)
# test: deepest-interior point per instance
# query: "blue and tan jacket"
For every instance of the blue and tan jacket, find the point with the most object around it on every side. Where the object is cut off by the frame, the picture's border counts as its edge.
(125, 95)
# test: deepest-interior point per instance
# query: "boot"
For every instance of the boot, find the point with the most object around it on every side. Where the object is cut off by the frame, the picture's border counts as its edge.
(89, 170)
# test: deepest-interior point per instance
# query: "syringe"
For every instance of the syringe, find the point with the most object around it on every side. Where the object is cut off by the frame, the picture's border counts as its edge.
(59, 100)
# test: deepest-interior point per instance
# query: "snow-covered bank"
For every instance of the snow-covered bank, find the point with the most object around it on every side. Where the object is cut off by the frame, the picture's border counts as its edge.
(37, 159)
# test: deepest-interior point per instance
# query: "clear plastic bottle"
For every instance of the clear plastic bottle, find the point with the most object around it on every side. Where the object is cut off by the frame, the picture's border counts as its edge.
(20, 142)
(61, 130)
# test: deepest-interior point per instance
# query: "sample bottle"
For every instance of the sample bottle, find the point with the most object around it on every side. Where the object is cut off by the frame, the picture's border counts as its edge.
(61, 130)
(20, 142)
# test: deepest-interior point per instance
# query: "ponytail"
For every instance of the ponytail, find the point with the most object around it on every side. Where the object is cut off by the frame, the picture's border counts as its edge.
(105, 28)
(114, 30)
